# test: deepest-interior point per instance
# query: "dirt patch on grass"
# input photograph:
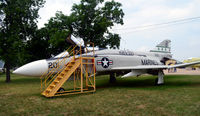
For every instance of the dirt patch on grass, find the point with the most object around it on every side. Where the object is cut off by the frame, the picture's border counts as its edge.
(141, 106)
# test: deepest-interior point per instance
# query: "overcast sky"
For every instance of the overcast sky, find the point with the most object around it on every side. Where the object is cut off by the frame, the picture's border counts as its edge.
(136, 33)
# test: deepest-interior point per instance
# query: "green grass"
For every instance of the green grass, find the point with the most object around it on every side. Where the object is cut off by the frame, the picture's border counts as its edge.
(130, 96)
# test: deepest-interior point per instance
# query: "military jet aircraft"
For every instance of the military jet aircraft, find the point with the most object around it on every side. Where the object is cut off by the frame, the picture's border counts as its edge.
(115, 62)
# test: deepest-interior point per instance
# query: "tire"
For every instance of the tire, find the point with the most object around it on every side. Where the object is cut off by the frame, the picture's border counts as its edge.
(61, 90)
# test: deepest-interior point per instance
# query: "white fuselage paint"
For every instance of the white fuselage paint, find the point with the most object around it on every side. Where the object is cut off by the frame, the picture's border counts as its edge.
(105, 60)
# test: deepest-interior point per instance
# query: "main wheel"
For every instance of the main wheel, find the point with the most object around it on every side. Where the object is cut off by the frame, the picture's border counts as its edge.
(112, 78)
(156, 82)
(61, 90)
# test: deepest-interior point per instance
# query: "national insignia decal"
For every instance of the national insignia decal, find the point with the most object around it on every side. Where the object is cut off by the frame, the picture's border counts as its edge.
(105, 62)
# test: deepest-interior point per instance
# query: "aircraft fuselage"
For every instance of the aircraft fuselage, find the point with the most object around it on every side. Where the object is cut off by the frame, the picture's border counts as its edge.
(105, 60)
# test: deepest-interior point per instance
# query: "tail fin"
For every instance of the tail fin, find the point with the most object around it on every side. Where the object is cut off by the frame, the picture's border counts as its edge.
(163, 47)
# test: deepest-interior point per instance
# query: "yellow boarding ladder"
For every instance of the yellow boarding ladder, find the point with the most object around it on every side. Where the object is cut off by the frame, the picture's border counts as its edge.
(82, 69)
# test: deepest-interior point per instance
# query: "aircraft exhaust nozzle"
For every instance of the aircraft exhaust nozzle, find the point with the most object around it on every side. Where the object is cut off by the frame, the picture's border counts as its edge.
(36, 68)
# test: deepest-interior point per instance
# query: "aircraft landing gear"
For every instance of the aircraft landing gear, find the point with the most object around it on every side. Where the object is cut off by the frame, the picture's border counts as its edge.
(160, 79)
(61, 90)
(112, 78)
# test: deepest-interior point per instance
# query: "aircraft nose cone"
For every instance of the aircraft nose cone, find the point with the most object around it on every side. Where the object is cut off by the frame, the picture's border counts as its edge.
(36, 68)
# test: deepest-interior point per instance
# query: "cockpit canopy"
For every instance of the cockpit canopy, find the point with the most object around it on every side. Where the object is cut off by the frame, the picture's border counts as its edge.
(62, 54)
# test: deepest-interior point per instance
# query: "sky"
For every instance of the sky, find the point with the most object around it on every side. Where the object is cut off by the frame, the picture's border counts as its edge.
(136, 33)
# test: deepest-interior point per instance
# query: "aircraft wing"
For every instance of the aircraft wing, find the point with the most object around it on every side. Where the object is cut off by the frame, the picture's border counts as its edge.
(184, 65)
(142, 67)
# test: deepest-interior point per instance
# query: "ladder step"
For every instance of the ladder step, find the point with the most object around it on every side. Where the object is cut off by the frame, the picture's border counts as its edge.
(59, 77)
(52, 86)
(62, 74)
(48, 90)
(56, 81)
(67, 68)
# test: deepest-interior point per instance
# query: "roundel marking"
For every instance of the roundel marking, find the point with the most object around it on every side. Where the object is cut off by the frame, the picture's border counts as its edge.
(105, 62)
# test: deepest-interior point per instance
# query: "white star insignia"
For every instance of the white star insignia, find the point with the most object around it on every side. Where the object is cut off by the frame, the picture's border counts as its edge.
(105, 62)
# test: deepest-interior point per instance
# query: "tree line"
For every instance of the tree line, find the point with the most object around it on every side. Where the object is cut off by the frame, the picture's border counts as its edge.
(21, 41)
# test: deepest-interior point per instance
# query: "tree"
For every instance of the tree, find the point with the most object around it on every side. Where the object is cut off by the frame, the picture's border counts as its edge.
(88, 21)
(38, 47)
(92, 22)
(58, 28)
(18, 24)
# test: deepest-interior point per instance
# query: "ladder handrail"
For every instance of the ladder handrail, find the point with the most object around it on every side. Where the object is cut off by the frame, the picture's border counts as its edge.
(60, 70)
(44, 81)
(92, 47)
(78, 63)
(55, 69)
(49, 70)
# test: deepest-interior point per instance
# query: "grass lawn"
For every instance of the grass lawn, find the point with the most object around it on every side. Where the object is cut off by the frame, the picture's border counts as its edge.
(130, 96)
